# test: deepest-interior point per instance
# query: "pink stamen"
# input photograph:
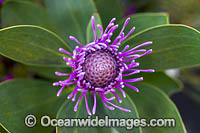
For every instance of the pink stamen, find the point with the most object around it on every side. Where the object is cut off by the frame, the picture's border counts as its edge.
(129, 74)
(141, 45)
(125, 23)
(133, 87)
(64, 51)
(107, 106)
(71, 94)
(86, 103)
(110, 25)
(119, 99)
(61, 89)
(130, 32)
(74, 97)
(95, 102)
(123, 109)
(74, 39)
(148, 70)
(62, 74)
(134, 80)
(94, 29)
(122, 91)
(126, 47)
(101, 30)
(76, 106)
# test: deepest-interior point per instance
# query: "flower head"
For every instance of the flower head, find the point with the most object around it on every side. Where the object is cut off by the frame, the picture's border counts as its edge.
(98, 66)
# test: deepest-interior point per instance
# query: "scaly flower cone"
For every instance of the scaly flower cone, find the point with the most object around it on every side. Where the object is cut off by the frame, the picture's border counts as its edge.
(98, 67)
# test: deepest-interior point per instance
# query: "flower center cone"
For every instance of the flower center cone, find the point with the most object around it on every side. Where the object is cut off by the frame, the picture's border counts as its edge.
(100, 68)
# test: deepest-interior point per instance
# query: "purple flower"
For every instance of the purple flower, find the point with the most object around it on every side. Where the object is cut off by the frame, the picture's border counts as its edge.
(98, 67)
(1, 1)
(8, 77)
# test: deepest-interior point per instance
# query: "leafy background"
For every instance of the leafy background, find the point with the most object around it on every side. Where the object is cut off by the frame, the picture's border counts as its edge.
(33, 30)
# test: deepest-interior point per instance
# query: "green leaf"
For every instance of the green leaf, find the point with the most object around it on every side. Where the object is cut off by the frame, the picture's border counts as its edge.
(174, 46)
(72, 17)
(161, 81)
(66, 111)
(134, 114)
(25, 0)
(3, 129)
(49, 72)
(142, 21)
(21, 97)
(90, 33)
(32, 45)
(152, 103)
(15, 12)
(109, 9)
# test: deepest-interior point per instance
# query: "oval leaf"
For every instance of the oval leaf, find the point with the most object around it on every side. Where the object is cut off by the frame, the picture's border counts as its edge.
(15, 12)
(142, 21)
(72, 17)
(152, 103)
(32, 45)
(174, 46)
(21, 97)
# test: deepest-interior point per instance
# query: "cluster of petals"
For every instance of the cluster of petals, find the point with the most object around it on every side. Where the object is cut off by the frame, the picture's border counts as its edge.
(125, 60)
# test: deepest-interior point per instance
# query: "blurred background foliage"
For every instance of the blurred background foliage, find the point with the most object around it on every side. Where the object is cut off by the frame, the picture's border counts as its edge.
(180, 11)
